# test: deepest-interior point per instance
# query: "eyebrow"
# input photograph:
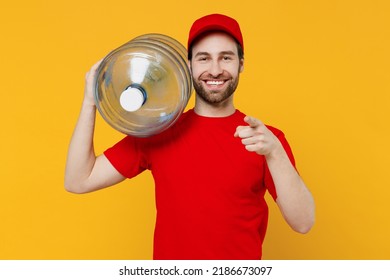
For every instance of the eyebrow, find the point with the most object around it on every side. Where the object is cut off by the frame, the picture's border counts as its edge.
(228, 53)
(201, 53)
(221, 53)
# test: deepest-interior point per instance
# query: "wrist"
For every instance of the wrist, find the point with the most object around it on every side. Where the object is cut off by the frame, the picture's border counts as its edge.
(88, 102)
(276, 153)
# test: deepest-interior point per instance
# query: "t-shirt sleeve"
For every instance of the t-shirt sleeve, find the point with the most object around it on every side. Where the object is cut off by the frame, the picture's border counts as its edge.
(269, 183)
(127, 156)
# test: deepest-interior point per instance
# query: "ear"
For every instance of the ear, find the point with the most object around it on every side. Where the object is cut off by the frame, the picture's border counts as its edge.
(189, 62)
(241, 65)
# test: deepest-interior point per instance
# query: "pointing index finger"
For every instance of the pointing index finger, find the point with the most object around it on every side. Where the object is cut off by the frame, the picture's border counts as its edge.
(253, 122)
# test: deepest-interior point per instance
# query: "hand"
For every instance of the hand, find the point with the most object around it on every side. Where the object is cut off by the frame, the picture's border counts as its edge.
(89, 84)
(256, 137)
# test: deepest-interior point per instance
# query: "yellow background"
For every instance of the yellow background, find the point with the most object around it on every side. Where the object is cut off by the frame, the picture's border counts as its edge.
(318, 70)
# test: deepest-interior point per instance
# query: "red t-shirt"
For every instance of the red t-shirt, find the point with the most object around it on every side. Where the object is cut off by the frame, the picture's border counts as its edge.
(209, 188)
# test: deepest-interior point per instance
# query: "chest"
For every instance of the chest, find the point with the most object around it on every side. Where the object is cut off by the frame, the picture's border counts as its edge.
(206, 159)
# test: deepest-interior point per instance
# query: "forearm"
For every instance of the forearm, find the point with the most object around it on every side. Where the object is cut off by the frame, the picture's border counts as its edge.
(81, 155)
(293, 198)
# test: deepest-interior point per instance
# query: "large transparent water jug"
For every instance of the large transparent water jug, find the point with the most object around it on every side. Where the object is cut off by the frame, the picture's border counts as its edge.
(142, 87)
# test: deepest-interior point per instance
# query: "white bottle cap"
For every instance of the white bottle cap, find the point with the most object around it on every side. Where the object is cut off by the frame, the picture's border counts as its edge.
(132, 99)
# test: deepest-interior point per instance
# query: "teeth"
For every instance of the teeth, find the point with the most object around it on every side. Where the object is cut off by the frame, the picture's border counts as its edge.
(214, 82)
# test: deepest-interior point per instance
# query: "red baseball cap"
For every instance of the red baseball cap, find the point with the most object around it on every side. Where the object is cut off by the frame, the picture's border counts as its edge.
(215, 22)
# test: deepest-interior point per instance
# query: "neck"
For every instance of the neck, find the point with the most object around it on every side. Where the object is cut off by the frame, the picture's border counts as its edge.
(223, 109)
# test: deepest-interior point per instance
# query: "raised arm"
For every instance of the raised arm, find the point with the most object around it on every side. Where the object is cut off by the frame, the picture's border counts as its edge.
(294, 199)
(84, 171)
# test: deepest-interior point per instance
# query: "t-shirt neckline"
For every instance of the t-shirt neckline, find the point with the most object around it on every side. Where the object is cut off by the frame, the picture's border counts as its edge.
(235, 113)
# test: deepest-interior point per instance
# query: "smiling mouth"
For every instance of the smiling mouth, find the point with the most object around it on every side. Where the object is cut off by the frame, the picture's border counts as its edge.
(214, 82)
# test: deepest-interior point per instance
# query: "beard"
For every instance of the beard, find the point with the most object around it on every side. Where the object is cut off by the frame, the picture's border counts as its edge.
(216, 96)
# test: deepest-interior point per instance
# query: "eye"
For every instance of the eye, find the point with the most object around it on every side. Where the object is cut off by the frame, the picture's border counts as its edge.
(202, 58)
(227, 57)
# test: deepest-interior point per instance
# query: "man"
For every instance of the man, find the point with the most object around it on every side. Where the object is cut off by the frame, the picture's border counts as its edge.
(211, 168)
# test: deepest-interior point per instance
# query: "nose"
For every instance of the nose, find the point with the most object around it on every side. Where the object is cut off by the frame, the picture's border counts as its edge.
(215, 69)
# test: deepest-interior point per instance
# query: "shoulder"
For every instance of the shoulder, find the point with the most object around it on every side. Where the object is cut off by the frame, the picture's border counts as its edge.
(177, 127)
(276, 131)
